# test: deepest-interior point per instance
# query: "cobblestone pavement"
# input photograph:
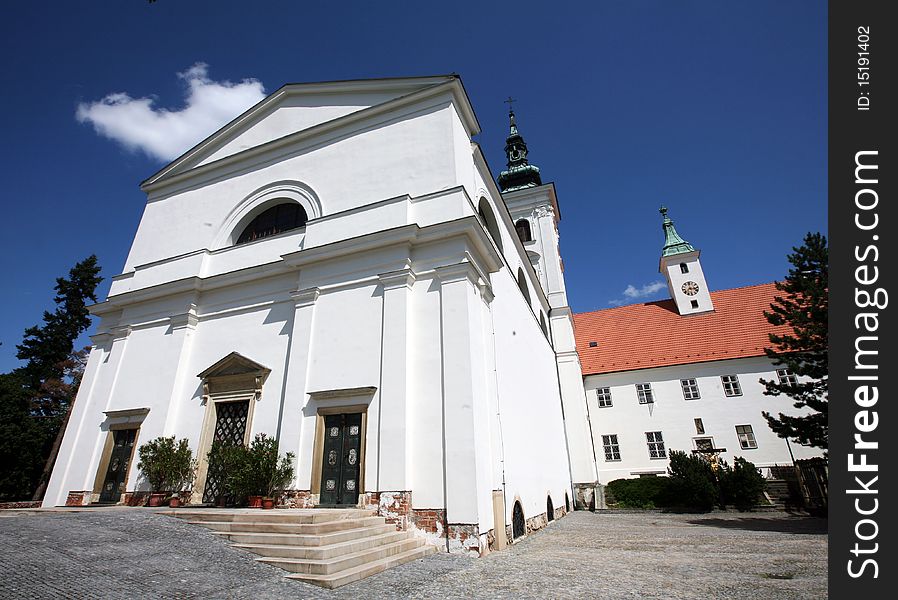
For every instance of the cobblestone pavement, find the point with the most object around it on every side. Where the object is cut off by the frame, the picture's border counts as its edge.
(134, 553)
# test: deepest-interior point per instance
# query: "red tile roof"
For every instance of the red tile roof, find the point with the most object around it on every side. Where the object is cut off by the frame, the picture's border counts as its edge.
(642, 336)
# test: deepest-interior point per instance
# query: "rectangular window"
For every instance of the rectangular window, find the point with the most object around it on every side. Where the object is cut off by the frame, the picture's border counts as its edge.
(644, 393)
(704, 444)
(604, 396)
(684, 268)
(786, 377)
(690, 389)
(612, 448)
(746, 437)
(656, 444)
(731, 385)
(694, 304)
(699, 427)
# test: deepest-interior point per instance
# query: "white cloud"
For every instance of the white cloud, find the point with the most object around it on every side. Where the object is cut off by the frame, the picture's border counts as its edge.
(165, 134)
(648, 289)
(633, 293)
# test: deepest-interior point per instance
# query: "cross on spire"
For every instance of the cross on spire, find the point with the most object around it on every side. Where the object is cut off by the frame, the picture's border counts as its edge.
(510, 101)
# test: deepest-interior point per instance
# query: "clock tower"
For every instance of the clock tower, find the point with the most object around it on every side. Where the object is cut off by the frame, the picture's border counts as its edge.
(683, 271)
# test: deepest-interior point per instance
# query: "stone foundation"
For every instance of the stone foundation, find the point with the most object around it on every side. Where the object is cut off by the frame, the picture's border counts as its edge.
(22, 504)
(78, 498)
(395, 507)
(298, 499)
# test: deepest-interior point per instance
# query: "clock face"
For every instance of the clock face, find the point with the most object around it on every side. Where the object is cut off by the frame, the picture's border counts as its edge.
(690, 288)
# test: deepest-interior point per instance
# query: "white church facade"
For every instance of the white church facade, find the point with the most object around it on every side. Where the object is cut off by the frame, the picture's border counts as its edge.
(338, 268)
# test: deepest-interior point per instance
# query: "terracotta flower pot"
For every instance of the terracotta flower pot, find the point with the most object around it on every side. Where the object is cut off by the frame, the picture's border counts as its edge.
(174, 502)
(156, 500)
(254, 501)
(267, 503)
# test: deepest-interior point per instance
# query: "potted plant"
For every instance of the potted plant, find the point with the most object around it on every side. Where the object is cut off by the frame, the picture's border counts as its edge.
(167, 465)
(261, 472)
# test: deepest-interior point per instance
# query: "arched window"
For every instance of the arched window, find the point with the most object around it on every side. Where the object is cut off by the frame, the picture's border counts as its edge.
(489, 219)
(550, 509)
(522, 283)
(523, 229)
(275, 220)
(518, 525)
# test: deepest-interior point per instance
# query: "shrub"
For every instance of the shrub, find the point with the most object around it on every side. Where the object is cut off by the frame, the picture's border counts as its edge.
(643, 492)
(692, 483)
(258, 470)
(740, 485)
(166, 465)
(223, 459)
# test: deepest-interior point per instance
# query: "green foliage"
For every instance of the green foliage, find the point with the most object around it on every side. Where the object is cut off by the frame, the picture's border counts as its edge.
(693, 484)
(804, 306)
(642, 492)
(740, 485)
(46, 347)
(24, 440)
(36, 397)
(168, 465)
(258, 470)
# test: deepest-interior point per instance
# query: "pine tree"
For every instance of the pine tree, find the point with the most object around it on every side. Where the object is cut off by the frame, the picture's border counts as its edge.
(47, 347)
(36, 398)
(803, 306)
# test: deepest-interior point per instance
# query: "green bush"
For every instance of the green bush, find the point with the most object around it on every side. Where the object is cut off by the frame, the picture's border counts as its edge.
(643, 492)
(258, 470)
(692, 483)
(223, 459)
(740, 485)
(168, 466)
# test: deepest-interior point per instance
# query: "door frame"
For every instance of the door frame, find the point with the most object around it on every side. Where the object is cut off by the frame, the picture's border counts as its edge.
(318, 446)
(130, 418)
(208, 433)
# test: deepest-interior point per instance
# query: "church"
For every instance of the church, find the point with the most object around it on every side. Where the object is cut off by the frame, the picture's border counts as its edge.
(338, 268)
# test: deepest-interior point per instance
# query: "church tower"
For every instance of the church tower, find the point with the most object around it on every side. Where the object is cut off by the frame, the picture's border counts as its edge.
(534, 209)
(683, 270)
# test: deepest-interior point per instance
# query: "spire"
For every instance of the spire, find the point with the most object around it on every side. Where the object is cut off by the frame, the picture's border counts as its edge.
(673, 243)
(520, 173)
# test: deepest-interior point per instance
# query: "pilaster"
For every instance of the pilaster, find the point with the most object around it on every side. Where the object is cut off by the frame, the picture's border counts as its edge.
(296, 377)
(394, 456)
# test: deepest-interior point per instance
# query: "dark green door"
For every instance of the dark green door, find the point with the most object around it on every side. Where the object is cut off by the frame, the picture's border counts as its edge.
(114, 482)
(340, 464)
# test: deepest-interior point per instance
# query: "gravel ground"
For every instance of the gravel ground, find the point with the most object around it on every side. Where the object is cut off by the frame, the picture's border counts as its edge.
(134, 553)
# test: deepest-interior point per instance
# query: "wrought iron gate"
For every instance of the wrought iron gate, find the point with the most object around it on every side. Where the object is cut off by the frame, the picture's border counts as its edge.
(230, 430)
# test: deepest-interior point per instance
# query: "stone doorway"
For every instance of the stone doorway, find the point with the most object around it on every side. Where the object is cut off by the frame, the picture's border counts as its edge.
(119, 462)
(341, 459)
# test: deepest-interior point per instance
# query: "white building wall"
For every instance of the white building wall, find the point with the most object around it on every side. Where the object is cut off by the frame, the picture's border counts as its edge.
(674, 416)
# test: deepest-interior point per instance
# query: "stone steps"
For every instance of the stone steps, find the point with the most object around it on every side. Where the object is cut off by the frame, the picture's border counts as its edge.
(334, 580)
(324, 547)
(322, 552)
(328, 566)
(303, 539)
(301, 528)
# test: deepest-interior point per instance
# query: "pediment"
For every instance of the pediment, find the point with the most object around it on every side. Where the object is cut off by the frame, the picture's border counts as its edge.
(235, 364)
(297, 108)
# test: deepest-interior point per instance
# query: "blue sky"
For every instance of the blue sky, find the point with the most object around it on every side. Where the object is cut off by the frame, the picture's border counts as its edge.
(715, 109)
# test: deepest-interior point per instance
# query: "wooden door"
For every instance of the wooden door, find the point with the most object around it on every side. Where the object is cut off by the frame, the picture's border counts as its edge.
(119, 461)
(341, 460)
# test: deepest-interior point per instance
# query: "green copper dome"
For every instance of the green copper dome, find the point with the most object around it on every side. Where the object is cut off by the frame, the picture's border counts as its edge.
(673, 243)
(520, 174)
